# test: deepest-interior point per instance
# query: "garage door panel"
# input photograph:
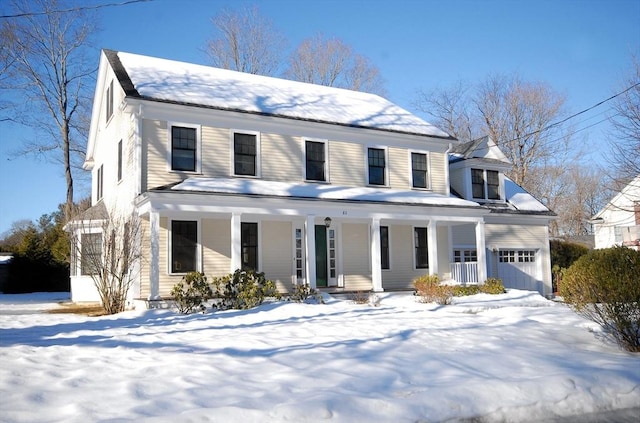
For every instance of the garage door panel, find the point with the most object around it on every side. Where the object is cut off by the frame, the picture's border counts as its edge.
(518, 269)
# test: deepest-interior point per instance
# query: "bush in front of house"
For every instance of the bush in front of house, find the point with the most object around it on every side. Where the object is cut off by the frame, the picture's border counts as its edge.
(604, 286)
(492, 286)
(243, 289)
(303, 292)
(191, 293)
(430, 290)
(563, 255)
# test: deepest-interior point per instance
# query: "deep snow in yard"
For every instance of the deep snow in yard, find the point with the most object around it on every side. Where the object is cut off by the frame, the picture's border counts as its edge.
(513, 357)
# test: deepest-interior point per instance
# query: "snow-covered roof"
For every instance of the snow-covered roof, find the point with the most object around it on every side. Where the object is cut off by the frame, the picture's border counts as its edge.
(482, 148)
(520, 199)
(624, 199)
(318, 191)
(186, 83)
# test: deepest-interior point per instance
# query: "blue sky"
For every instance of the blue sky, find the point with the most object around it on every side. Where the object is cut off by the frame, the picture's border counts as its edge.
(582, 48)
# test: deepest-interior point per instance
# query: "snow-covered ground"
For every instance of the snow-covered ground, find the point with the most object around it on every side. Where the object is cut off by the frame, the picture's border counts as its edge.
(513, 357)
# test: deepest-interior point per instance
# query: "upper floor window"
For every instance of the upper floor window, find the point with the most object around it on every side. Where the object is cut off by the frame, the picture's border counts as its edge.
(316, 161)
(245, 154)
(99, 183)
(184, 148)
(119, 160)
(377, 166)
(485, 184)
(184, 246)
(419, 174)
(109, 102)
(421, 248)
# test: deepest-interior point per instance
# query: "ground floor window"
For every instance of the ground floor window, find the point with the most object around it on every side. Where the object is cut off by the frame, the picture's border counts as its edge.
(184, 246)
(465, 256)
(249, 241)
(421, 248)
(384, 247)
(91, 253)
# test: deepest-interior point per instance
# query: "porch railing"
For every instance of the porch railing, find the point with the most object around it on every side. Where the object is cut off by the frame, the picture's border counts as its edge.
(465, 272)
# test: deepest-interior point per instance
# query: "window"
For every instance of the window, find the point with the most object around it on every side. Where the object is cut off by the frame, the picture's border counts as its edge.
(465, 256)
(422, 251)
(184, 148)
(485, 184)
(384, 247)
(184, 246)
(419, 170)
(109, 102)
(377, 164)
(119, 160)
(99, 183)
(91, 253)
(249, 242)
(517, 256)
(245, 152)
(315, 161)
(493, 185)
(477, 183)
(617, 233)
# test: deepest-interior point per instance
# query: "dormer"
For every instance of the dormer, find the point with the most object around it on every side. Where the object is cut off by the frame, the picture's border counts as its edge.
(477, 171)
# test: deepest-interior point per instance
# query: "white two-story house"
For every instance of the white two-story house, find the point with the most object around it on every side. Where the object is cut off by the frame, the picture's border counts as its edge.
(618, 223)
(343, 190)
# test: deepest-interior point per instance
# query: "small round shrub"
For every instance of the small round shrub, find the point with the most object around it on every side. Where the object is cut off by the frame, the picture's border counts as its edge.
(430, 290)
(191, 293)
(492, 286)
(462, 291)
(243, 289)
(604, 286)
(303, 292)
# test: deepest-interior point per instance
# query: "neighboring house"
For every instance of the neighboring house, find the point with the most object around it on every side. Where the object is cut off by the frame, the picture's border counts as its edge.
(618, 223)
(309, 184)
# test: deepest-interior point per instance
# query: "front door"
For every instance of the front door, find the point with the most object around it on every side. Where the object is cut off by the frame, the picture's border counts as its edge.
(326, 257)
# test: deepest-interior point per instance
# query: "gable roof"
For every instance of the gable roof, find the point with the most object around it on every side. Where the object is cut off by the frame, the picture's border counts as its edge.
(629, 194)
(163, 80)
(483, 148)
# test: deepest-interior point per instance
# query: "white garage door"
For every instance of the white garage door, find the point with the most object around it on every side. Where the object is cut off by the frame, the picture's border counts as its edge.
(519, 269)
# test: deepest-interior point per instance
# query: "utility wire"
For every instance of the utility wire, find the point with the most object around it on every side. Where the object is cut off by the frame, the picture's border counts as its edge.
(73, 9)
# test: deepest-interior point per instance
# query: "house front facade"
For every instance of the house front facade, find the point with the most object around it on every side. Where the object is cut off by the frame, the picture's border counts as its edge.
(618, 223)
(342, 190)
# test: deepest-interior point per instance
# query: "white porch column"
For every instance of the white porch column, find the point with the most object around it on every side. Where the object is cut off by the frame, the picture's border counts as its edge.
(482, 252)
(376, 262)
(432, 247)
(154, 274)
(310, 249)
(236, 242)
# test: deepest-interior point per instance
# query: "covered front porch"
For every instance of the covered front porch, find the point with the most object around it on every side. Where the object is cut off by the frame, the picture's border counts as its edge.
(337, 244)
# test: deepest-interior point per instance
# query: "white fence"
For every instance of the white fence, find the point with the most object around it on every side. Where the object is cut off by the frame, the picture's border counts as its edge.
(465, 272)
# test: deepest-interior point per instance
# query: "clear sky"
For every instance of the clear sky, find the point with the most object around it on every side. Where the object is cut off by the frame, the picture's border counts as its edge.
(582, 48)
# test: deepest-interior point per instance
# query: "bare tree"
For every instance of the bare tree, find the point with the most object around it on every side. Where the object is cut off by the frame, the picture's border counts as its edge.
(624, 141)
(107, 249)
(49, 77)
(333, 63)
(247, 42)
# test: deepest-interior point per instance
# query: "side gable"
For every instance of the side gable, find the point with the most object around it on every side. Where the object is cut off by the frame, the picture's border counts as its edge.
(630, 193)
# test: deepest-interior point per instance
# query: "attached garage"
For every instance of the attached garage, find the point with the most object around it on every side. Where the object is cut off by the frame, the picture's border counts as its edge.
(520, 269)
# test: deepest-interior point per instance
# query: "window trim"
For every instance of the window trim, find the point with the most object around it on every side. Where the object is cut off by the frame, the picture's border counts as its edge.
(428, 170)
(170, 245)
(232, 168)
(415, 247)
(109, 103)
(79, 264)
(120, 156)
(326, 160)
(198, 128)
(385, 149)
(100, 183)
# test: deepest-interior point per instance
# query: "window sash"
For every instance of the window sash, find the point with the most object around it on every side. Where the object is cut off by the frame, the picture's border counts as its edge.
(184, 246)
(109, 105)
(419, 170)
(377, 163)
(91, 253)
(493, 185)
(244, 153)
(315, 161)
(183, 148)
(384, 247)
(249, 244)
(120, 160)
(100, 183)
(477, 183)
(421, 248)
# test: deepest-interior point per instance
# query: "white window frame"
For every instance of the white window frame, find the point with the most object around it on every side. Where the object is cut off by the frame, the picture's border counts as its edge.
(198, 129)
(386, 164)
(170, 245)
(326, 159)
(413, 251)
(426, 153)
(232, 166)
(390, 249)
(109, 103)
(485, 186)
(100, 183)
(78, 254)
